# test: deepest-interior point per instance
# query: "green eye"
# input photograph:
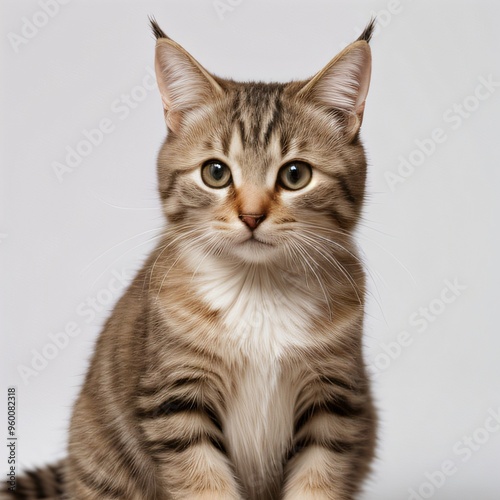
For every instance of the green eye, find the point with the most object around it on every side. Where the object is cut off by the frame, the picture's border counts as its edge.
(216, 174)
(295, 175)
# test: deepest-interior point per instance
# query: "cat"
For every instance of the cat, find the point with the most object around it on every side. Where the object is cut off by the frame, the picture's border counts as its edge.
(232, 367)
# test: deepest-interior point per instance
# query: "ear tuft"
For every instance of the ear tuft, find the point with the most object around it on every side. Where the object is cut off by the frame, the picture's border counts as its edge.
(368, 31)
(157, 31)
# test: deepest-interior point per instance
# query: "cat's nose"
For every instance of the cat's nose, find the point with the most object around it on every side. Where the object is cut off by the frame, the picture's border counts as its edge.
(252, 220)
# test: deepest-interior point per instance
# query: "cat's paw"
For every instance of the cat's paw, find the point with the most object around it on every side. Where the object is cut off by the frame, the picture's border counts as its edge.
(213, 495)
(210, 495)
(312, 495)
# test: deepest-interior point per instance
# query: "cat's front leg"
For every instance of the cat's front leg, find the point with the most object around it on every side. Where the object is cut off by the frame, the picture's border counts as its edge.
(184, 437)
(332, 448)
(318, 473)
(199, 472)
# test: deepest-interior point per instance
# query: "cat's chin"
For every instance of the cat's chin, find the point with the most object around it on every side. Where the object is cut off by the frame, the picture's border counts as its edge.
(255, 251)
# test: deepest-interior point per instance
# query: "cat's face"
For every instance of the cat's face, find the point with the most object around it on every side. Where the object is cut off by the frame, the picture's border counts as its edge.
(262, 172)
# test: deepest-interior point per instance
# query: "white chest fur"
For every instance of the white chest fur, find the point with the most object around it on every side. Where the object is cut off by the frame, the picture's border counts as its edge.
(264, 316)
(263, 311)
(259, 423)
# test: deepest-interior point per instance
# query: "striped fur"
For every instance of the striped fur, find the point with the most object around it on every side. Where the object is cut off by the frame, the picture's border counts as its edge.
(47, 483)
(232, 367)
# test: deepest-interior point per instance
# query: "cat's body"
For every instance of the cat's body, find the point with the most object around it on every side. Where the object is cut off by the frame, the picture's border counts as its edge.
(232, 367)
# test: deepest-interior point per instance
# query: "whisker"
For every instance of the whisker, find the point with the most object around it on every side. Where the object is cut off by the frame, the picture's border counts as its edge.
(90, 264)
(174, 263)
(309, 241)
(167, 245)
(126, 208)
(158, 236)
(306, 260)
(373, 278)
(208, 251)
(335, 261)
(365, 237)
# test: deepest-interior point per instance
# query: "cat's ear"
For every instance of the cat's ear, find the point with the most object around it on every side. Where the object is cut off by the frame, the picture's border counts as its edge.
(343, 83)
(183, 83)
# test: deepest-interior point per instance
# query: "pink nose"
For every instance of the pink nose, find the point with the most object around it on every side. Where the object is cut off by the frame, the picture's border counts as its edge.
(252, 221)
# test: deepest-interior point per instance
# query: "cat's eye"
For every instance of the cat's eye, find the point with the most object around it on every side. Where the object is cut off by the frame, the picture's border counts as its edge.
(295, 175)
(216, 174)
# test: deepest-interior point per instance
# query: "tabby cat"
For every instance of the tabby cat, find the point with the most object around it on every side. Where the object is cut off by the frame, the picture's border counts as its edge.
(232, 367)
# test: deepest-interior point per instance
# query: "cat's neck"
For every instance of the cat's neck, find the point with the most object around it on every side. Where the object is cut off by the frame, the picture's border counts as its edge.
(268, 279)
(265, 307)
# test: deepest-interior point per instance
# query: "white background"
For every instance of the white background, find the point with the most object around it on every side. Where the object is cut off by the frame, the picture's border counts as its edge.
(61, 242)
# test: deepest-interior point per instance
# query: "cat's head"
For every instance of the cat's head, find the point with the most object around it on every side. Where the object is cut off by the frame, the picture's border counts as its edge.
(255, 171)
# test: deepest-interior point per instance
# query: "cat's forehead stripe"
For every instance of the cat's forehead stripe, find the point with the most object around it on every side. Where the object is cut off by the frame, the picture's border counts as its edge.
(251, 143)
(235, 150)
(257, 111)
(273, 121)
